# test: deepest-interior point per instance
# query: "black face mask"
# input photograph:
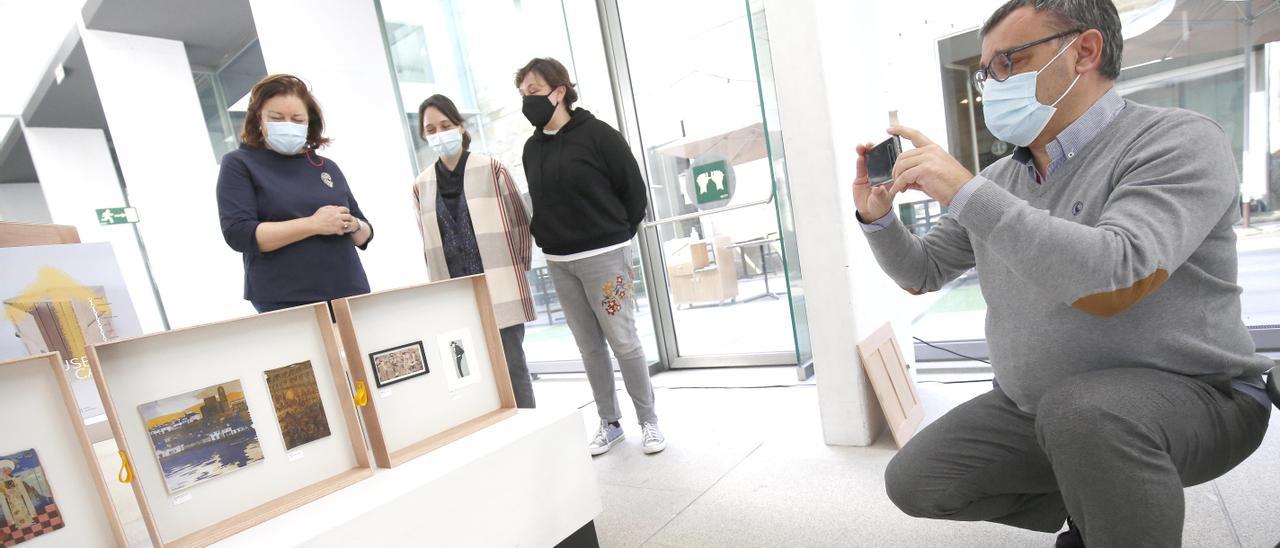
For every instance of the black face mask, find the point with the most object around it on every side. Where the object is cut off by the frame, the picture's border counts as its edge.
(538, 109)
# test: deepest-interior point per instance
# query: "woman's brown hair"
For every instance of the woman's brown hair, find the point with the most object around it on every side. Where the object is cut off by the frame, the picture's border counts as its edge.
(288, 85)
(554, 73)
(449, 110)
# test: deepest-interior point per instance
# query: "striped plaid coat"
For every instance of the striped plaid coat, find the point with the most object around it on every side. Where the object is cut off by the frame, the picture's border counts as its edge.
(501, 223)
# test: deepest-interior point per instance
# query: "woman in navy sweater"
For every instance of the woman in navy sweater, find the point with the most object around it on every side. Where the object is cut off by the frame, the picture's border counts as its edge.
(287, 209)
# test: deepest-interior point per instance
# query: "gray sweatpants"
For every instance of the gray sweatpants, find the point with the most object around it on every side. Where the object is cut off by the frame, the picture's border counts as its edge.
(1113, 449)
(598, 298)
(517, 365)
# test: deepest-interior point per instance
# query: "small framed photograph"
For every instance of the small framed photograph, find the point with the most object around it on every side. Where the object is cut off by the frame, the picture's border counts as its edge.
(398, 364)
(458, 353)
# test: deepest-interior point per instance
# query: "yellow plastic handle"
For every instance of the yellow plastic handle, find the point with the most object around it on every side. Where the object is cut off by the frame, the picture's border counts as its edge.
(126, 470)
(362, 394)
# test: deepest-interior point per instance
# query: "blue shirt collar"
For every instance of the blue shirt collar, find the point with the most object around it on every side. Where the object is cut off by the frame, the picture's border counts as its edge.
(1082, 131)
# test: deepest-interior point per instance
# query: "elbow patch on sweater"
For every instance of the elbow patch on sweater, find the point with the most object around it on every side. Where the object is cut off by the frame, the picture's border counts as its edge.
(1110, 303)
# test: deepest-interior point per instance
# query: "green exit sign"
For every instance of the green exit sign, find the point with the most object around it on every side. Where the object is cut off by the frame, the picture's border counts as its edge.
(117, 215)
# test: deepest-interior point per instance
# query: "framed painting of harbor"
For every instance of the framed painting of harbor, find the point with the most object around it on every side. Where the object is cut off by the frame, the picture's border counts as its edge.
(202, 434)
(226, 425)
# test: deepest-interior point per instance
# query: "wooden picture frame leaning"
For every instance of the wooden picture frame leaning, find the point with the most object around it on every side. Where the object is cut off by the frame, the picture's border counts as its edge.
(53, 364)
(23, 234)
(349, 328)
(281, 504)
(883, 362)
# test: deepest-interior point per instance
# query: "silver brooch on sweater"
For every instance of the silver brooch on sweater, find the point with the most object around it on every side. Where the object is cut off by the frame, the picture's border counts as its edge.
(326, 179)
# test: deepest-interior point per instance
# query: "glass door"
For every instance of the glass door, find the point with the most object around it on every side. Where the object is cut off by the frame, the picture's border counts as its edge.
(447, 47)
(696, 96)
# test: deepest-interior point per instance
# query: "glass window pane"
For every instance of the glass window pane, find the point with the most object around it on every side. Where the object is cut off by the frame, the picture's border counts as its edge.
(449, 47)
(782, 184)
(224, 97)
(240, 74)
(698, 94)
(222, 140)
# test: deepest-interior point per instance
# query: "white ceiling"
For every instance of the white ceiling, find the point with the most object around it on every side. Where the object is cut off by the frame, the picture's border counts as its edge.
(213, 30)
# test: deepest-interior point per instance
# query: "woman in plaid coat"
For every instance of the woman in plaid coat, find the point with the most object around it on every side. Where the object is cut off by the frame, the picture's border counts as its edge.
(473, 221)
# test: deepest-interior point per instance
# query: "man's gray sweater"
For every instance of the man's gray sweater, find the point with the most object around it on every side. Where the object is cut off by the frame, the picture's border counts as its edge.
(1126, 257)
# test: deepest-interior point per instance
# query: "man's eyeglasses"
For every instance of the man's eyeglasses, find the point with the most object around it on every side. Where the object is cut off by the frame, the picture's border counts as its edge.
(1000, 67)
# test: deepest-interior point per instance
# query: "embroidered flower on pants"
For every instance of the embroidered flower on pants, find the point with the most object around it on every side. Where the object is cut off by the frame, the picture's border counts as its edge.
(616, 292)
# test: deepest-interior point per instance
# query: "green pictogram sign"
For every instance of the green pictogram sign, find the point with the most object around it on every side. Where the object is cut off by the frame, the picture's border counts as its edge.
(117, 215)
(712, 182)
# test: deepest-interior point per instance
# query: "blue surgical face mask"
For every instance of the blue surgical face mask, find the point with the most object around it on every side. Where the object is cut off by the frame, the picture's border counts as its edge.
(286, 138)
(447, 144)
(1011, 110)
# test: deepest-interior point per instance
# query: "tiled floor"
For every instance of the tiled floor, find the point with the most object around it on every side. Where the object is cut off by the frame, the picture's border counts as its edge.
(747, 467)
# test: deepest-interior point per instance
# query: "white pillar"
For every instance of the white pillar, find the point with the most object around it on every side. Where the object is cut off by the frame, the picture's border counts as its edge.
(828, 95)
(149, 98)
(337, 46)
(31, 34)
(23, 203)
(78, 177)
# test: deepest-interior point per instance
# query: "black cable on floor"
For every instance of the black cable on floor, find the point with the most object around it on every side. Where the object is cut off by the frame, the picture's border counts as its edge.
(949, 351)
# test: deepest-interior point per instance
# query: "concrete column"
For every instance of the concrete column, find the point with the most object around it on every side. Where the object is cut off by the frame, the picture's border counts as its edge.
(829, 100)
(153, 113)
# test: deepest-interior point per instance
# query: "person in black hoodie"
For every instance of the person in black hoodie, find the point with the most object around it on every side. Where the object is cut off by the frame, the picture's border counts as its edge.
(589, 198)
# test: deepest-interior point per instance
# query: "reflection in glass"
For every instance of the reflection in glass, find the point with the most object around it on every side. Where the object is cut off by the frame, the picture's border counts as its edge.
(699, 88)
(224, 97)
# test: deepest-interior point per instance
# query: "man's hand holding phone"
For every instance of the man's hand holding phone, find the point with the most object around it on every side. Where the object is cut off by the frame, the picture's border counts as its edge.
(927, 168)
(873, 202)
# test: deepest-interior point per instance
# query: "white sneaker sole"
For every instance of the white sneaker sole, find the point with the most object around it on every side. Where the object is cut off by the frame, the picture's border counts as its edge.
(597, 451)
(651, 449)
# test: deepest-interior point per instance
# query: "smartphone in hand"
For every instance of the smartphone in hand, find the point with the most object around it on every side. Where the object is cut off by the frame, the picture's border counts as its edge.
(880, 160)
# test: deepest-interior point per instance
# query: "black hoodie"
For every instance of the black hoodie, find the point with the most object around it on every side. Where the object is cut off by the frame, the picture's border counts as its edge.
(587, 189)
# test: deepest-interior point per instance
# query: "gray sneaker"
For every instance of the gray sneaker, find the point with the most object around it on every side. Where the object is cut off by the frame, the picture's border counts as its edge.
(654, 441)
(607, 437)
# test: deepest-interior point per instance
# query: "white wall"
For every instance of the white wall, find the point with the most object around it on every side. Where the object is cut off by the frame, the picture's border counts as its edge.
(78, 177)
(840, 67)
(150, 102)
(823, 217)
(23, 203)
(30, 35)
(336, 46)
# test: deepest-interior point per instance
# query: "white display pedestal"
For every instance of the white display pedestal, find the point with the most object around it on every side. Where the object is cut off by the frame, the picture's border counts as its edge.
(525, 481)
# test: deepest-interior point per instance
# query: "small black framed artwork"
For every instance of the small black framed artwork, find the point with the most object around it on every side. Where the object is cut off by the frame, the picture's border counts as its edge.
(398, 364)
